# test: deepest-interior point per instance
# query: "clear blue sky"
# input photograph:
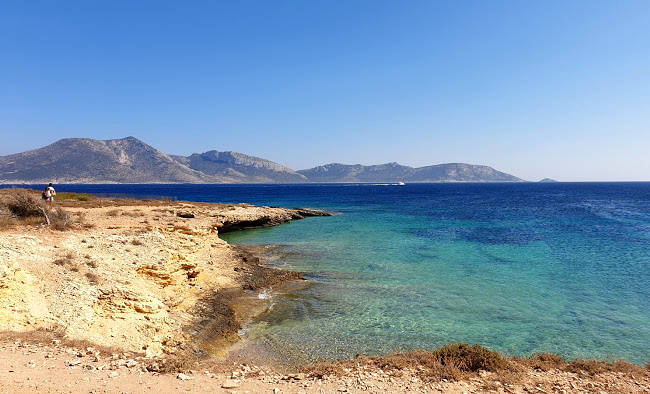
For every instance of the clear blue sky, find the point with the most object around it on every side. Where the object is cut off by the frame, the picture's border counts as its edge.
(534, 88)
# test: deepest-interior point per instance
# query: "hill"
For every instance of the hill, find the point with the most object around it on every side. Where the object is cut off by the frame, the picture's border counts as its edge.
(394, 172)
(240, 167)
(129, 160)
(85, 160)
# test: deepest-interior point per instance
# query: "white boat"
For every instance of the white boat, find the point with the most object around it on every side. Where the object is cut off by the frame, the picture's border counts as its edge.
(400, 184)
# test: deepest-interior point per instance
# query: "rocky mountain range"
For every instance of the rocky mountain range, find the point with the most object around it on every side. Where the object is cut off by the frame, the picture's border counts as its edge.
(129, 160)
(394, 172)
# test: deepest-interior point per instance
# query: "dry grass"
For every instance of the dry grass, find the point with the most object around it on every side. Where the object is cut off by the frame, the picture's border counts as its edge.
(591, 367)
(67, 260)
(452, 362)
(75, 196)
(114, 212)
(24, 208)
(61, 220)
(136, 213)
(92, 278)
(23, 204)
(542, 362)
(460, 361)
(45, 336)
(545, 362)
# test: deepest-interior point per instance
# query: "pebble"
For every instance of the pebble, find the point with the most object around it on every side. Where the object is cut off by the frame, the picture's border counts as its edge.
(182, 376)
(130, 363)
(229, 384)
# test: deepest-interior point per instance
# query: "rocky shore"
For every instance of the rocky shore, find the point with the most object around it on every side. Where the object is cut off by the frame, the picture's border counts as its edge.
(143, 295)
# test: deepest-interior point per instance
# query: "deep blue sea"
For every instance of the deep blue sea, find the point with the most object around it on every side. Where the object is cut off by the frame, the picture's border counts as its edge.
(520, 268)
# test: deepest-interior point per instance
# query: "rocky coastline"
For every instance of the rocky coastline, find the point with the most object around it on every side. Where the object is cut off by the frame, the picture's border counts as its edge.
(135, 295)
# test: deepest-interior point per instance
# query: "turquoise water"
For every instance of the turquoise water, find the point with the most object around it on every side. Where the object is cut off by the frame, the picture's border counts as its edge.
(520, 268)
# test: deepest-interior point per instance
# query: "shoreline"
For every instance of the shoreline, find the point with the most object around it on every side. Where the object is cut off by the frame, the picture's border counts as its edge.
(158, 273)
(149, 276)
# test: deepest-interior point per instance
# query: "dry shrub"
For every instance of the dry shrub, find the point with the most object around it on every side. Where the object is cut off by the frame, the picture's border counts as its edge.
(91, 264)
(92, 278)
(543, 362)
(134, 214)
(60, 219)
(591, 367)
(6, 222)
(137, 242)
(23, 205)
(68, 259)
(322, 369)
(470, 358)
(452, 362)
(114, 212)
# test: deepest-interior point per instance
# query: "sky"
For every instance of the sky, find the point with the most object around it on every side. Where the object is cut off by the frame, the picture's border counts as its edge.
(537, 89)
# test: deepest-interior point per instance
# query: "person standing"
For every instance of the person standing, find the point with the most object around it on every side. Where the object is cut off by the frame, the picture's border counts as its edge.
(49, 195)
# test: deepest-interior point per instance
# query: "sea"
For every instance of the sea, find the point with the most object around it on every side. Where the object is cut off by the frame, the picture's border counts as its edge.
(520, 268)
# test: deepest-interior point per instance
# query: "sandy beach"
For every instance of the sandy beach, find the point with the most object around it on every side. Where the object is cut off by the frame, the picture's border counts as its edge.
(143, 295)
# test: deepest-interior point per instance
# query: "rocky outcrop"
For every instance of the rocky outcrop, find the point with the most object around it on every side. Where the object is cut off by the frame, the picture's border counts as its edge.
(153, 279)
(273, 219)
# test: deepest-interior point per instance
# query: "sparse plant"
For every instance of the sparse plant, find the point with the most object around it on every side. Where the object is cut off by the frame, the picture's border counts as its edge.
(92, 278)
(75, 196)
(24, 205)
(60, 219)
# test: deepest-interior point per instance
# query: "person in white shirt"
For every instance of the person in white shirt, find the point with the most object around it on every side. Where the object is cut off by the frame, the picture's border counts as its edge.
(49, 195)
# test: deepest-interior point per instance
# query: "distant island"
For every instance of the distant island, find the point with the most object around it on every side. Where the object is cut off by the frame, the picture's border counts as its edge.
(547, 180)
(129, 160)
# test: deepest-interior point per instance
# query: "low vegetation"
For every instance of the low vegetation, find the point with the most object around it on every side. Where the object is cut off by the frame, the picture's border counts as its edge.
(452, 362)
(75, 196)
(23, 206)
(459, 361)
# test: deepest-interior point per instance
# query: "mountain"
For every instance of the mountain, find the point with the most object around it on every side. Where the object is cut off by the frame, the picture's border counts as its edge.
(394, 172)
(240, 167)
(547, 180)
(85, 160)
(129, 160)
(336, 172)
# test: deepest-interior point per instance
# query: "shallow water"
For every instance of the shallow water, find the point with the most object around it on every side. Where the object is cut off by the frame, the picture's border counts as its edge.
(520, 268)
